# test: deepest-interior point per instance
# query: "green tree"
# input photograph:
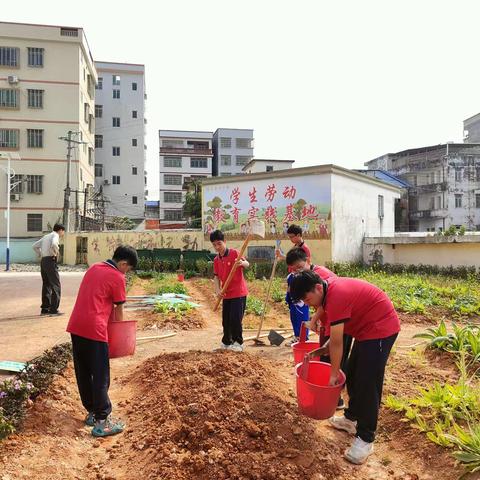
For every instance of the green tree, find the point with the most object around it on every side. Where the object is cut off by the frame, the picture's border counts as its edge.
(192, 209)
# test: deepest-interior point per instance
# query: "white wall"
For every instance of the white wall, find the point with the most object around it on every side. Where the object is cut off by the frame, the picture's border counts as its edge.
(355, 215)
(232, 133)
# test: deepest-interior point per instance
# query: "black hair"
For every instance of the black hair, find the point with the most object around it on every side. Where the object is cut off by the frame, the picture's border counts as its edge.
(125, 252)
(296, 254)
(303, 283)
(57, 227)
(217, 235)
(295, 229)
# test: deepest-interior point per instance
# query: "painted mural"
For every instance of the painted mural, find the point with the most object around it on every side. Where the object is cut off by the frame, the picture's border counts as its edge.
(304, 201)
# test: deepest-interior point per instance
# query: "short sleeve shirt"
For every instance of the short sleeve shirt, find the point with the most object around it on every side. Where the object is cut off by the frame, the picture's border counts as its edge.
(367, 312)
(304, 247)
(222, 265)
(323, 272)
(102, 286)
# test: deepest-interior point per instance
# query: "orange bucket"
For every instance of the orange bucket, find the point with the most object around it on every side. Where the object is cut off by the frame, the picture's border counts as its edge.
(122, 338)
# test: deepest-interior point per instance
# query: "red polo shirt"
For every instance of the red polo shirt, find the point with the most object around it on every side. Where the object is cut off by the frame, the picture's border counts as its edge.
(103, 285)
(221, 268)
(304, 247)
(366, 311)
(323, 272)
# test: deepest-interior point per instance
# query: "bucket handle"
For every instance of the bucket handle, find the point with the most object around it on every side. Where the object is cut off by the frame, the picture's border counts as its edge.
(303, 333)
(305, 366)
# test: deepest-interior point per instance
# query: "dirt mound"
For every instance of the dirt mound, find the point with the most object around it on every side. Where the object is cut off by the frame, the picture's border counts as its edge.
(147, 319)
(221, 416)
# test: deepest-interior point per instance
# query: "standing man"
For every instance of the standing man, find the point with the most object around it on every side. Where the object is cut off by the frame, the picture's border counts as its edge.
(48, 249)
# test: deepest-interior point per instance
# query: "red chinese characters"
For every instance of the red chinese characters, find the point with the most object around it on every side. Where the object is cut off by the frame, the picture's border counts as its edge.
(252, 213)
(271, 214)
(309, 212)
(235, 195)
(289, 214)
(235, 213)
(270, 193)
(289, 192)
(253, 195)
(218, 215)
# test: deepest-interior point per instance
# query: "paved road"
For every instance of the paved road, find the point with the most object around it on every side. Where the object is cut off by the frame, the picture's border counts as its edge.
(23, 333)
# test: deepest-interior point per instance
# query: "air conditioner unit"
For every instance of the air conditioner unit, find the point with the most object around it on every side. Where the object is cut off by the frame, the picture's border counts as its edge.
(12, 79)
(15, 197)
(106, 182)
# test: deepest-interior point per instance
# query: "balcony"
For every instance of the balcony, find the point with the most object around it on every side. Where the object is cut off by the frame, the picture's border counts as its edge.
(434, 213)
(430, 188)
(186, 151)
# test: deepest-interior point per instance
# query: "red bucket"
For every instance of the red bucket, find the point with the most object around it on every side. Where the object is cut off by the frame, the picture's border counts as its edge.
(316, 399)
(122, 338)
(302, 348)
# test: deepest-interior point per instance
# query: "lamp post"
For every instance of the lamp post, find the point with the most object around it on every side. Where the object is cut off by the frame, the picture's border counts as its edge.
(10, 173)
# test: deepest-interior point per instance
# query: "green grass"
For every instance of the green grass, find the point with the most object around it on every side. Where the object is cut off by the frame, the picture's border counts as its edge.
(166, 283)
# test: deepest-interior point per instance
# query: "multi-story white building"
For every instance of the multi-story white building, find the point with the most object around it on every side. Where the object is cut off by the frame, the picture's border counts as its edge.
(184, 155)
(232, 150)
(47, 88)
(120, 138)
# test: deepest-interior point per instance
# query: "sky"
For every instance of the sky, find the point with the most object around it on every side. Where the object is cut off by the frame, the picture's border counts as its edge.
(319, 81)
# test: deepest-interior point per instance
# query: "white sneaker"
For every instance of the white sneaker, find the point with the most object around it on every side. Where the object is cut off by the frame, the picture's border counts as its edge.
(236, 347)
(292, 341)
(222, 347)
(343, 423)
(359, 451)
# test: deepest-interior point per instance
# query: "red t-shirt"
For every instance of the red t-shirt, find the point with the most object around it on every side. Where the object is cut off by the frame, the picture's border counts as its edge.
(304, 247)
(102, 286)
(323, 272)
(366, 311)
(222, 266)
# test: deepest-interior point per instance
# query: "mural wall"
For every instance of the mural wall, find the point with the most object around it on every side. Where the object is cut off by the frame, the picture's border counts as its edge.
(280, 202)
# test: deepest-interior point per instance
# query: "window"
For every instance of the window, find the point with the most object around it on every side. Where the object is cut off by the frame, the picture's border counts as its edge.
(173, 215)
(269, 168)
(172, 179)
(458, 200)
(172, 197)
(35, 57)
(34, 138)
(16, 184)
(458, 175)
(35, 98)
(99, 169)
(261, 253)
(241, 160)
(225, 142)
(116, 179)
(116, 93)
(477, 200)
(9, 138)
(134, 200)
(134, 170)
(116, 121)
(86, 111)
(381, 210)
(98, 111)
(134, 142)
(34, 183)
(34, 222)
(134, 86)
(172, 162)
(9, 56)
(134, 114)
(225, 160)
(243, 143)
(116, 151)
(198, 163)
(8, 98)
(172, 143)
(115, 79)
(99, 85)
(90, 155)
(69, 32)
(98, 141)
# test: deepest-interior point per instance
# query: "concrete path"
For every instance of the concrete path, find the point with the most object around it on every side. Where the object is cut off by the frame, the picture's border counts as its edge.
(24, 334)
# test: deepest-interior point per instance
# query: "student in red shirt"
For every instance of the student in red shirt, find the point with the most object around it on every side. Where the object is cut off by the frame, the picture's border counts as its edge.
(101, 296)
(362, 310)
(235, 298)
(295, 233)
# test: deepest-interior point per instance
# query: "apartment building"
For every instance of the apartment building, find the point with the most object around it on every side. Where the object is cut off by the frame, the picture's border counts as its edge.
(232, 150)
(47, 88)
(120, 138)
(184, 156)
(445, 184)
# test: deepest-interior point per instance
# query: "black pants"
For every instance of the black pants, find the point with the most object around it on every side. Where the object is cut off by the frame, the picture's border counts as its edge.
(347, 345)
(51, 288)
(232, 316)
(365, 371)
(92, 370)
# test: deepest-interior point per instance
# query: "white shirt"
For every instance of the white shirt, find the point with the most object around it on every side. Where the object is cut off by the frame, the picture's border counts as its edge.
(48, 246)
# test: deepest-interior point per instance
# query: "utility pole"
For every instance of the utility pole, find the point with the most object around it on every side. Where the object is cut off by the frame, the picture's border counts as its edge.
(84, 219)
(67, 191)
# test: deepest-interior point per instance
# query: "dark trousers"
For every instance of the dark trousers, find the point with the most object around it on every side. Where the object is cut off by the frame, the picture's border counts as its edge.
(365, 372)
(51, 288)
(347, 345)
(232, 316)
(92, 370)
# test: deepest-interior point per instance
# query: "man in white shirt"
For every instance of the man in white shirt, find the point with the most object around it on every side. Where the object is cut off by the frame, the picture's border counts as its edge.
(48, 249)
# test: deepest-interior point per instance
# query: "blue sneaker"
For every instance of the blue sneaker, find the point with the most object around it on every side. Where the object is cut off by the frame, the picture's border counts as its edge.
(90, 420)
(107, 427)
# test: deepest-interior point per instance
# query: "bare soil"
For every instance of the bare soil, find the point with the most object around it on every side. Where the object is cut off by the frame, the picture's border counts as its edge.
(194, 413)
